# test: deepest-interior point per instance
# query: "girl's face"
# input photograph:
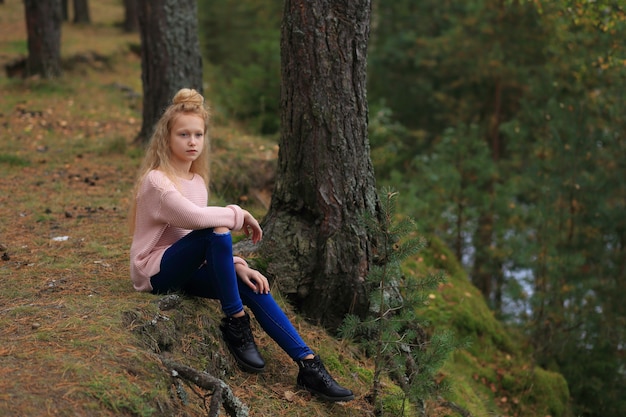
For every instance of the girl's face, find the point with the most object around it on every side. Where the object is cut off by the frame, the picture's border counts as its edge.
(186, 140)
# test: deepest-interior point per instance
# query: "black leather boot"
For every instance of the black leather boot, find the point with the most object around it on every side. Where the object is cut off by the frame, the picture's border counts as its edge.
(238, 337)
(314, 378)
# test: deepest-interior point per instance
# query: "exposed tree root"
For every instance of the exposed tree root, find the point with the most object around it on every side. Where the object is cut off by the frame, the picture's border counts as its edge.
(221, 392)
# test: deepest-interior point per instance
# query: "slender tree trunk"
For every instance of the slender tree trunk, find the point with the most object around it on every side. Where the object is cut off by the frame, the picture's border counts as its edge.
(64, 10)
(317, 247)
(460, 219)
(482, 276)
(81, 11)
(43, 26)
(540, 333)
(131, 21)
(487, 269)
(170, 55)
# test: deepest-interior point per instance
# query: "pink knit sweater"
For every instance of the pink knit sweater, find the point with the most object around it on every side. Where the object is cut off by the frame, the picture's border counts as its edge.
(165, 214)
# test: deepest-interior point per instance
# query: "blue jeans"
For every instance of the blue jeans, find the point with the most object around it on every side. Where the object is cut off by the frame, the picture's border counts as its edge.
(201, 264)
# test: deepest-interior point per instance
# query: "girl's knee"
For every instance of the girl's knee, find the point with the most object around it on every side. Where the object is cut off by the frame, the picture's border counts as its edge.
(221, 240)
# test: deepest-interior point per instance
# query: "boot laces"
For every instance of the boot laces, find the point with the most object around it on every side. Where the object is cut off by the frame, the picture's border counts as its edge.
(323, 373)
(246, 336)
(242, 333)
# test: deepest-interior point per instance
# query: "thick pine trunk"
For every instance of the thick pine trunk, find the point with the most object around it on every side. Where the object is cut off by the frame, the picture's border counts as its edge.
(43, 26)
(316, 245)
(170, 55)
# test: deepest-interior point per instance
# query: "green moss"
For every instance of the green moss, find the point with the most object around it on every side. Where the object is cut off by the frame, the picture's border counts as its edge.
(363, 374)
(549, 392)
(336, 364)
(120, 395)
(440, 257)
(465, 375)
(491, 375)
(459, 305)
(394, 403)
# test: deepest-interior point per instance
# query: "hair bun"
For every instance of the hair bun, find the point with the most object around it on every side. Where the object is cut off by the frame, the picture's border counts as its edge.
(188, 96)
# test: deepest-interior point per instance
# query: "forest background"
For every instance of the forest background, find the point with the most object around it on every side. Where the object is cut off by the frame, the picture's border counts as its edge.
(502, 126)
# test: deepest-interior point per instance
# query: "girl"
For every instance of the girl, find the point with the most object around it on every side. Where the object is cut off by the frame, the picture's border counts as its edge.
(181, 244)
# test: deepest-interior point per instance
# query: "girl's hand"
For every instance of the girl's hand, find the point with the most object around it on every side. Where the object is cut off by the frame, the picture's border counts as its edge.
(253, 279)
(251, 227)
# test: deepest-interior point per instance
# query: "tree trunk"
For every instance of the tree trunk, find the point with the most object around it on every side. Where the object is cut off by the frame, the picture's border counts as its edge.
(170, 55)
(64, 10)
(315, 242)
(81, 11)
(487, 269)
(131, 22)
(482, 271)
(43, 26)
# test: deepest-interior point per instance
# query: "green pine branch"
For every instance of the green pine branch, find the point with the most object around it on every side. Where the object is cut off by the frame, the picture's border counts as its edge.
(392, 333)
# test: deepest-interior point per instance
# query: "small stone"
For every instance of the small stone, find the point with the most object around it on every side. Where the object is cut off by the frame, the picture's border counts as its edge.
(35, 326)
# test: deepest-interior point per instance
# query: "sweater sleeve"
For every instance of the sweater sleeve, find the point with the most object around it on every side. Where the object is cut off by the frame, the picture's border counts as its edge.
(176, 210)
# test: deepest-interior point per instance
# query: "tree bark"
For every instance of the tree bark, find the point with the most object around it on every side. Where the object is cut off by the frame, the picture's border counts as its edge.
(317, 247)
(81, 11)
(43, 26)
(131, 21)
(170, 55)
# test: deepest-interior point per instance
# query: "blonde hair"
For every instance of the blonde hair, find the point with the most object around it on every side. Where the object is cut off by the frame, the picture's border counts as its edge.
(159, 154)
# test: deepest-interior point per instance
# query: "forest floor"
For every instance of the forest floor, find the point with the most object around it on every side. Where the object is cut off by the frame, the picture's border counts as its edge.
(77, 340)
(67, 166)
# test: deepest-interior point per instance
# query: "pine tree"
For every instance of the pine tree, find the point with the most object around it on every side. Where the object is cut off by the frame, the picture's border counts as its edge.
(392, 333)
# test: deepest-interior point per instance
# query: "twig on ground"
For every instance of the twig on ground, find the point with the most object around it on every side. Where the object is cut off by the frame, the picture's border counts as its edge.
(455, 407)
